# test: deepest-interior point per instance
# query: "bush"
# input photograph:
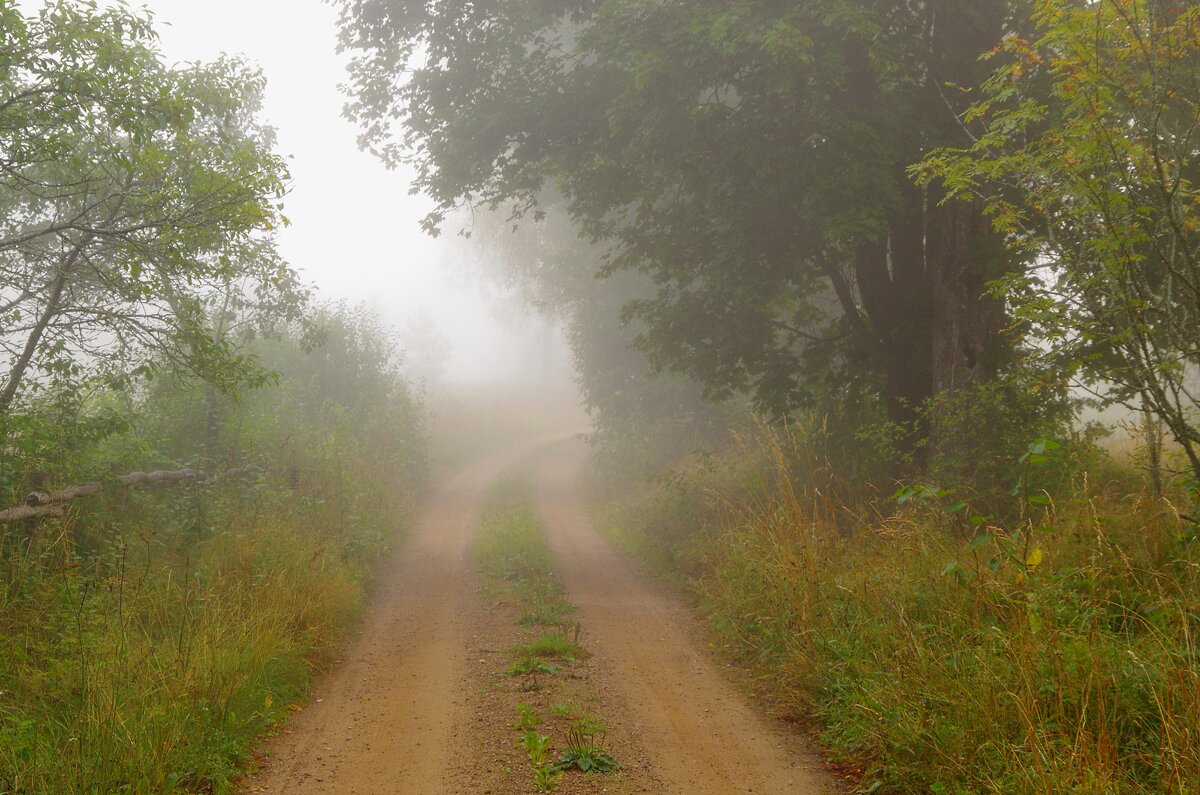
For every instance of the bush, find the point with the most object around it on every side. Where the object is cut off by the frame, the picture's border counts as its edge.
(950, 660)
(149, 637)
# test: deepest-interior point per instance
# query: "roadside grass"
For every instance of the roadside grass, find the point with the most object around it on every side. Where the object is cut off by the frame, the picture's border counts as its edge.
(148, 639)
(152, 665)
(514, 556)
(945, 655)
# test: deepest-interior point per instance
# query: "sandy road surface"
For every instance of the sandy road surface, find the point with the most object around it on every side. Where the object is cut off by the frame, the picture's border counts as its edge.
(707, 737)
(382, 722)
(397, 714)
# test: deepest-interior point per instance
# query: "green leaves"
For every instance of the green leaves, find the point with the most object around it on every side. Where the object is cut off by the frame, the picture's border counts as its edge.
(981, 540)
(1085, 158)
(586, 760)
(137, 203)
(748, 159)
(1036, 455)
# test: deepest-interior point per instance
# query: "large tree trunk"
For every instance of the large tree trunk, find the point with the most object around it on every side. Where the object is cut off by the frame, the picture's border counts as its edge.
(923, 286)
(962, 251)
(935, 327)
(893, 284)
(967, 326)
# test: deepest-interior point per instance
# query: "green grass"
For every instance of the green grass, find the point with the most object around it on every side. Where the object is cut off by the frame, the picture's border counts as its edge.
(513, 554)
(510, 546)
(550, 646)
(138, 658)
(938, 665)
(531, 666)
(542, 604)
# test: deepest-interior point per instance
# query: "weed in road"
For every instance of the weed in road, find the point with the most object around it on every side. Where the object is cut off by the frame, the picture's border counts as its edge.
(514, 555)
(527, 718)
(585, 751)
(550, 646)
(544, 607)
(511, 547)
(531, 666)
(546, 778)
(589, 726)
(537, 748)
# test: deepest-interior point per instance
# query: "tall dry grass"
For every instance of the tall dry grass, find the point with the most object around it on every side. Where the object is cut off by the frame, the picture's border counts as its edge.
(1055, 649)
(150, 638)
(149, 663)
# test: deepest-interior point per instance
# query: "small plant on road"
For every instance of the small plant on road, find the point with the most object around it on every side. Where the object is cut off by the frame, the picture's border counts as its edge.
(552, 646)
(531, 666)
(545, 607)
(514, 556)
(527, 718)
(585, 750)
(537, 748)
(546, 778)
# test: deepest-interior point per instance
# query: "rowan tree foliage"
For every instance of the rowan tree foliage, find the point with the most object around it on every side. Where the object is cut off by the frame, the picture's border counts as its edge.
(137, 203)
(749, 157)
(1089, 161)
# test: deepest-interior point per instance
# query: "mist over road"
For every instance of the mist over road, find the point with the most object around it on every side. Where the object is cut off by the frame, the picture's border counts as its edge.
(396, 714)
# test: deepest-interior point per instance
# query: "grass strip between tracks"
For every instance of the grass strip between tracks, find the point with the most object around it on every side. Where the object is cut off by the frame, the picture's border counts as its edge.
(512, 551)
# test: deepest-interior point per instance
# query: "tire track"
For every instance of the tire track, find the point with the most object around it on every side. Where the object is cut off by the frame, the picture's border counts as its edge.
(708, 739)
(382, 722)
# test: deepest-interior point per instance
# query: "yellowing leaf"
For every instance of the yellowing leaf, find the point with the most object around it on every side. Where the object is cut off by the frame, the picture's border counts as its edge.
(1035, 558)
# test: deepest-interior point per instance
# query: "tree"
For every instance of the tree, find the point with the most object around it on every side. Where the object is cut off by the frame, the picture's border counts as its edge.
(749, 157)
(643, 417)
(1090, 162)
(137, 205)
(426, 350)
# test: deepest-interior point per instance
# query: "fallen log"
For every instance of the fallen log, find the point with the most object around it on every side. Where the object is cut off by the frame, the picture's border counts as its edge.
(40, 503)
(30, 511)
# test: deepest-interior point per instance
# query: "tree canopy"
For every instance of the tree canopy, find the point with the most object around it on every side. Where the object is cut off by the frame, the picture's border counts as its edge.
(138, 204)
(749, 157)
(1089, 161)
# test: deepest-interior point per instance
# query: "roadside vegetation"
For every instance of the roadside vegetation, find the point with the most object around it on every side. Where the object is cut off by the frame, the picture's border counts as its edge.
(1048, 645)
(199, 464)
(148, 638)
(895, 250)
(546, 660)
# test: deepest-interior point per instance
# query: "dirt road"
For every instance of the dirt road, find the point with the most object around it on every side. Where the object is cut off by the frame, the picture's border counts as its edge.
(707, 737)
(397, 715)
(382, 722)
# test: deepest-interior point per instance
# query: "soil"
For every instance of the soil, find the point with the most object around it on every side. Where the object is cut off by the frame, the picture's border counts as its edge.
(420, 705)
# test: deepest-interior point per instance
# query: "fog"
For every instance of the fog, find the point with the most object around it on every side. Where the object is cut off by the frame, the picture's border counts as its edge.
(355, 229)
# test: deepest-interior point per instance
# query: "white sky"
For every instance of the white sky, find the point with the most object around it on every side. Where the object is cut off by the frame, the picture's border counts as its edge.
(355, 229)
